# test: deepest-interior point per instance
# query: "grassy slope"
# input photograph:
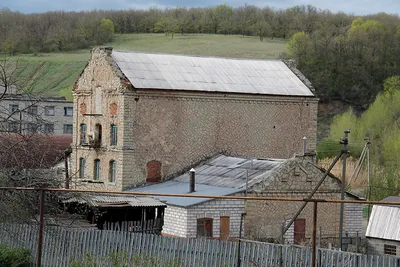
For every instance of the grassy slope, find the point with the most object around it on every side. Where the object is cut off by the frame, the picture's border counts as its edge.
(55, 73)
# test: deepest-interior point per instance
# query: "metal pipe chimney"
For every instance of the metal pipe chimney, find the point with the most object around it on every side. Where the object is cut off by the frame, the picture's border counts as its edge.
(192, 181)
(304, 145)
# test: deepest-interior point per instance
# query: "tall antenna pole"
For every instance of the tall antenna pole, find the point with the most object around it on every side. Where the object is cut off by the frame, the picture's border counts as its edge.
(345, 142)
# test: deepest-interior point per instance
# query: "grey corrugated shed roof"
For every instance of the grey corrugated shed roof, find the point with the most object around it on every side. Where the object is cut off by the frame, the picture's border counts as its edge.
(384, 222)
(178, 72)
(100, 200)
(231, 172)
(174, 187)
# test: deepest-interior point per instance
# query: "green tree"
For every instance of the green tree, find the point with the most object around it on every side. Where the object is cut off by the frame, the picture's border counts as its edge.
(105, 31)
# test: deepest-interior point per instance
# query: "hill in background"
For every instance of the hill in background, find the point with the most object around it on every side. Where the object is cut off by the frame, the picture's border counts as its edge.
(55, 73)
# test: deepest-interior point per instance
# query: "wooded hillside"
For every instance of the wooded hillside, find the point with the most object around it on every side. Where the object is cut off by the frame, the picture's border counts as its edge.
(344, 56)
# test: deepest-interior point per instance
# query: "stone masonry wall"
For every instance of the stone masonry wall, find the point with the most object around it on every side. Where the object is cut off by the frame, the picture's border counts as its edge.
(296, 178)
(179, 130)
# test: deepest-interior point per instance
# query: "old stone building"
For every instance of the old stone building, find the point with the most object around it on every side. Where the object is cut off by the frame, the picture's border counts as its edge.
(145, 117)
(284, 178)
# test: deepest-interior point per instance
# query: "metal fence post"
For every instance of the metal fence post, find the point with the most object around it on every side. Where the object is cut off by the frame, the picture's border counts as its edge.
(41, 224)
(314, 236)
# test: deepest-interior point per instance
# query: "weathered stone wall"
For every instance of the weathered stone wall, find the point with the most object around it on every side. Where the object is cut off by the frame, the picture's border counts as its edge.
(180, 129)
(296, 178)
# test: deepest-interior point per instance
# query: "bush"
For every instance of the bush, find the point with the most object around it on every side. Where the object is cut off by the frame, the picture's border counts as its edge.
(14, 257)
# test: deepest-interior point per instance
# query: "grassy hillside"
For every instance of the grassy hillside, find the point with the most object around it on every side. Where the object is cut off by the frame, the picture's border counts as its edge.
(55, 73)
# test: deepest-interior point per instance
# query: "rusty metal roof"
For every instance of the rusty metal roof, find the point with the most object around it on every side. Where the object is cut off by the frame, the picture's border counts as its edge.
(210, 74)
(232, 172)
(384, 222)
(115, 201)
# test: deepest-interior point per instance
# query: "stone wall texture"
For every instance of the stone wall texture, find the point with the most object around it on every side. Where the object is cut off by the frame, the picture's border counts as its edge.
(296, 178)
(180, 129)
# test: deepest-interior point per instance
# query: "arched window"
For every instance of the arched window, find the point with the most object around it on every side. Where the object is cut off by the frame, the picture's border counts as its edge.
(98, 135)
(96, 172)
(114, 135)
(113, 109)
(112, 171)
(82, 108)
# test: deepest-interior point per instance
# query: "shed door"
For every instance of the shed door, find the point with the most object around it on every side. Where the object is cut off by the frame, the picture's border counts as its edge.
(224, 227)
(299, 231)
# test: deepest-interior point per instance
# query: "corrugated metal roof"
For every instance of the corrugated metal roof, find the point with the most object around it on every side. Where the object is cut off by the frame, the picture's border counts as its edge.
(384, 222)
(178, 72)
(115, 200)
(174, 187)
(231, 172)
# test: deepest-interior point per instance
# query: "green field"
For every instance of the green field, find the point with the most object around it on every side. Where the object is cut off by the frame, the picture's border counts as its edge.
(55, 73)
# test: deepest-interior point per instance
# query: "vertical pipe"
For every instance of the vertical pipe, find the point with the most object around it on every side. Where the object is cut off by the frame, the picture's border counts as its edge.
(314, 236)
(41, 224)
(343, 187)
(66, 153)
(238, 264)
(192, 181)
(304, 145)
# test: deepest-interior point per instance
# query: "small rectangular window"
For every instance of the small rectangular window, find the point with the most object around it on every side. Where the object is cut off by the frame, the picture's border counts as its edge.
(83, 134)
(389, 249)
(112, 171)
(204, 227)
(67, 129)
(13, 126)
(68, 111)
(33, 110)
(48, 128)
(31, 127)
(49, 111)
(82, 163)
(14, 108)
(114, 135)
(96, 175)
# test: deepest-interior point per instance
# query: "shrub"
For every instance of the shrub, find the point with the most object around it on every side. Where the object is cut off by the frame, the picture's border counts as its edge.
(14, 257)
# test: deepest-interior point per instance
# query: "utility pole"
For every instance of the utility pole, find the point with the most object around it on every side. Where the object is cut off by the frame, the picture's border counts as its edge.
(345, 142)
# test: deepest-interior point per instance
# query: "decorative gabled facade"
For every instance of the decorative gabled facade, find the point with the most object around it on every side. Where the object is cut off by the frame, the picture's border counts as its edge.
(145, 117)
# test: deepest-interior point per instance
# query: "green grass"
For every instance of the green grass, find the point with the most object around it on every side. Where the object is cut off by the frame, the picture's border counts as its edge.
(55, 73)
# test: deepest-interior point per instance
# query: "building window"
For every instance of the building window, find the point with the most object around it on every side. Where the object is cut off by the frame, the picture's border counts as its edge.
(204, 227)
(14, 108)
(33, 110)
(49, 111)
(113, 109)
(389, 249)
(13, 126)
(96, 174)
(67, 128)
(32, 127)
(48, 128)
(112, 173)
(114, 131)
(83, 133)
(82, 108)
(68, 111)
(82, 164)
(153, 171)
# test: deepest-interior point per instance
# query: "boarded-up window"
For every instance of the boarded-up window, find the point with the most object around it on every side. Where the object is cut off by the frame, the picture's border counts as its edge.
(204, 227)
(299, 231)
(113, 109)
(389, 249)
(224, 228)
(153, 171)
(82, 108)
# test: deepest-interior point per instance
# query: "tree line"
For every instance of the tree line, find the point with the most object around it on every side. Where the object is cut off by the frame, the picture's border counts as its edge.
(344, 56)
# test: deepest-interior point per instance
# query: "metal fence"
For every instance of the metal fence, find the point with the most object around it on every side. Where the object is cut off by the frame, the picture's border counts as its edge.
(83, 247)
